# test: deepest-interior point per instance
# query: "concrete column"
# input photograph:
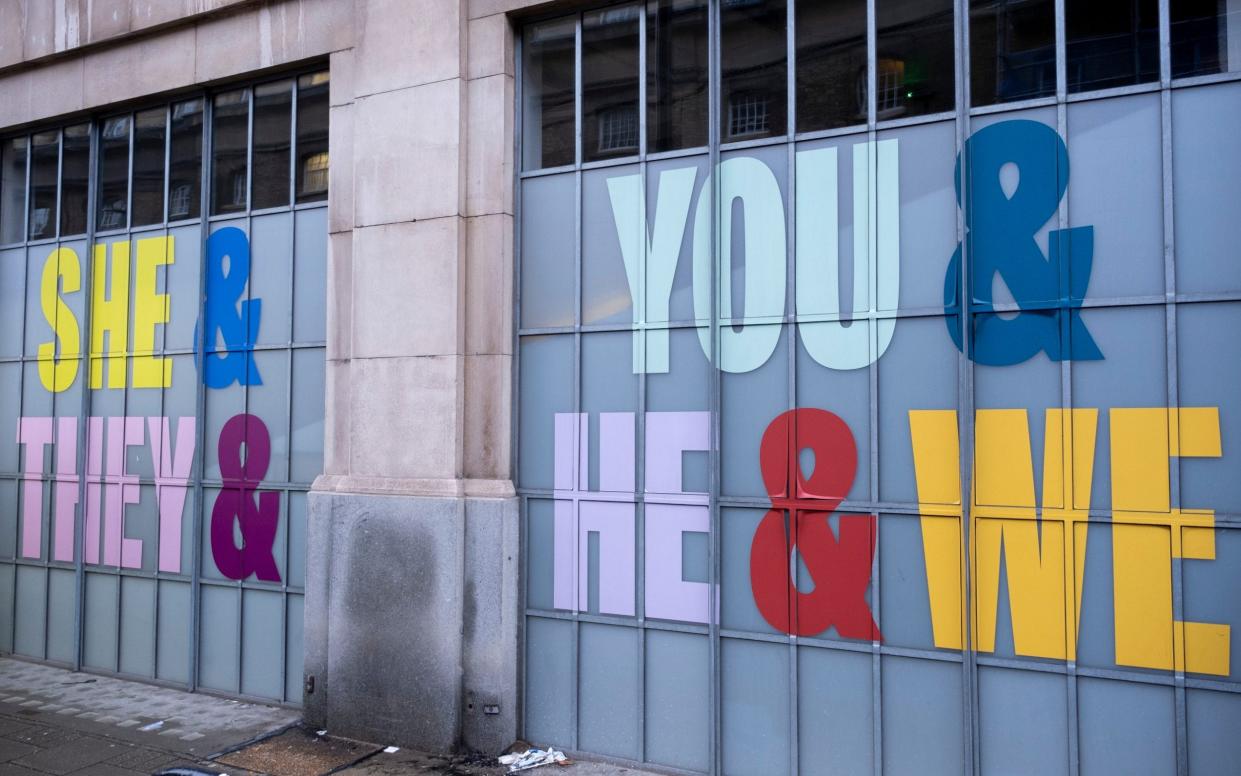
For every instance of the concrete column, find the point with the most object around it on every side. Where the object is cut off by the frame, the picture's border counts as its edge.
(412, 600)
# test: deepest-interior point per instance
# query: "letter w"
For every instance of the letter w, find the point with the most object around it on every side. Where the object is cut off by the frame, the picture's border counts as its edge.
(1038, 545)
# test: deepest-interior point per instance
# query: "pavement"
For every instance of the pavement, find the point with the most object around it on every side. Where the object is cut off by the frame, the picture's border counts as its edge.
(55, 722)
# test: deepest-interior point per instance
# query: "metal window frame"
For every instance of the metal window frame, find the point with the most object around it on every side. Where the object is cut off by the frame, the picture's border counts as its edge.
(961, 116)
(281, 482)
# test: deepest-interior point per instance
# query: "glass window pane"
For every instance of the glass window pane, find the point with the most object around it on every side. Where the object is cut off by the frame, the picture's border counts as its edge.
(914, 73)
(114, 174)
(753, 64)
(547, 129)
(831, 64)
(312, 133)
(273, 112)
(676, 75)
(1111, 43)
(74, 174)
(185, 160)
(228, 152)
(44, 159)
(610, 82)
(150, 128)
(1206, 37)
(1012, 50)
(13, 184)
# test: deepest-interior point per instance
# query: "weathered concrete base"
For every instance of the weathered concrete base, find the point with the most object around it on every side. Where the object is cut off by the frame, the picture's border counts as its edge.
(412, 619)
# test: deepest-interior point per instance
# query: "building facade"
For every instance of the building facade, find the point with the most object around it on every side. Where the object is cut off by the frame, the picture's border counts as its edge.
(727, 386)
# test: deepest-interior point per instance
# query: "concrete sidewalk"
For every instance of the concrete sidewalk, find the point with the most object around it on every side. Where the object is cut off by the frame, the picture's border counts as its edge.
(55, 722)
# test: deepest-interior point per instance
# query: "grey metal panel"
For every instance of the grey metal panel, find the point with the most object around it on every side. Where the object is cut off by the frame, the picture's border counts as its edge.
(262, 660)
(137, 623)
(100, 627)
(173, 631)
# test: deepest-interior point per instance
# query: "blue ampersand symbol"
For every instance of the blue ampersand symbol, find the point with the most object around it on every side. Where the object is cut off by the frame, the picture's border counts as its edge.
(237, 324)
(1000, 237)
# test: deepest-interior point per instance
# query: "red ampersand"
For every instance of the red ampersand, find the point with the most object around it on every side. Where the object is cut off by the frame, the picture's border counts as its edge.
(840, 568)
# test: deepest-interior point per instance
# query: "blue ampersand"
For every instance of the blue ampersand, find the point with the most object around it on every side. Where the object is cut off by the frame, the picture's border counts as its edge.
(1000, 237)
(237, 324)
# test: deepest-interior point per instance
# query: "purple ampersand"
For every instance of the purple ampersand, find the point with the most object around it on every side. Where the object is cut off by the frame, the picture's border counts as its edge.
(237, 501)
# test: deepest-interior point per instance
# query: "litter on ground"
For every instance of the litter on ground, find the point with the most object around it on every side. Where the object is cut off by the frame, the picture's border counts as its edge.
(532, 758)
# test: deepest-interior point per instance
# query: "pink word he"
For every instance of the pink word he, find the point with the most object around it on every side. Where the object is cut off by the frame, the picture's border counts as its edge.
(109, 487)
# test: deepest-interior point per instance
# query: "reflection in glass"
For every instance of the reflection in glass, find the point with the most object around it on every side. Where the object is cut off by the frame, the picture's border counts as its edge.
(1111, 43)
(228, 152)
(185, 160)
(273, 132)
(914, 74)
(150, 127)
(312, 123)
(1012, 50)
(1206, 37)
(753, 69)
(547, 86)
(74, 175)
(113, 174)
(610, 82)
(44, 159)
(831, 64)
(13, 188)
(676, 75)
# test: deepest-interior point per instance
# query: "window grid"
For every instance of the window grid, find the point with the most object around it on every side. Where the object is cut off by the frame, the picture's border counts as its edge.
(884, 96)
(14, 568)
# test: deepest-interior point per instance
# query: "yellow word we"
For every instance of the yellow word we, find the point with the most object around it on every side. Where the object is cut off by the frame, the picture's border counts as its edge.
(110, 309)
(1044, 544)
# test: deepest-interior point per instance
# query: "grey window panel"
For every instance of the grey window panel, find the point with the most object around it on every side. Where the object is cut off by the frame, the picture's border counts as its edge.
(749, 401)
(1125, 727)
(306, 434)
(921, 347)
(173, 631)
(922, 711)
(1214, 746)
(31, 611)
(1023, 721)
(1209, 370)
(1207, 206)
(608, 690)
(546, 362)
(835, 712)
(294, 570)
(547, 256)
(12, 301)
(905, 614)
(606, 296)
(1202, 583)
(262, 626)
(549, 680)
(738, 611)
(11, 399)
(271, 266)
(219, 642)
(9, 490)
(754, 687)
(181, 281)
(540, 561)
(310, 276)
(1115, 186)
(99, 649)
(62, 592)
(678, 689)
(293, 651)
(138, 610)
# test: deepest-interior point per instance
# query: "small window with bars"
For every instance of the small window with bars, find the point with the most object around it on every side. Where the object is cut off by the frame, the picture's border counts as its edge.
(747, 115)
(618, 129)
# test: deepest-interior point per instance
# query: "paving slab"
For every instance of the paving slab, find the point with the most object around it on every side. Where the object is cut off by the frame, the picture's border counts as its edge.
(38, 701)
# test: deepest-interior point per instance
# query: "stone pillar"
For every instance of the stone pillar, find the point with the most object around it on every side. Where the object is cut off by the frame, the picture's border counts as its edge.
(412, 600)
